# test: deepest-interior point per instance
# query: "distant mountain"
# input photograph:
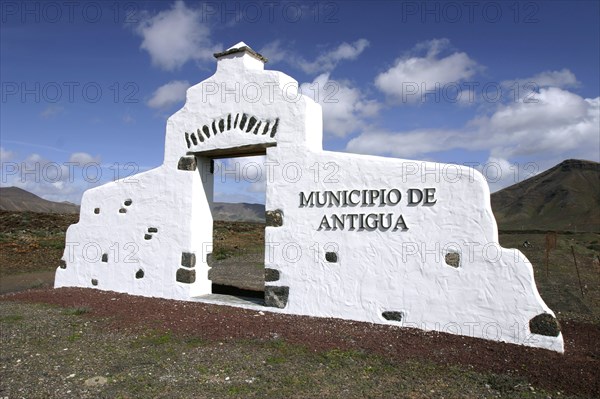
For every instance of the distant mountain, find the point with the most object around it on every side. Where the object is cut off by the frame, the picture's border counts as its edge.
(239, 212)
(16, 199)
(563, 198)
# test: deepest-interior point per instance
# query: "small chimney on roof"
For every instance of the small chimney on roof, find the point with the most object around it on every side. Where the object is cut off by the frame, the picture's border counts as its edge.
(240, 48)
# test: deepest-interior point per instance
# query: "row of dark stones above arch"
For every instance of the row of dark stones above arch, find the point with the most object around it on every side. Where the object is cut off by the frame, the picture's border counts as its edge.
(242, 121)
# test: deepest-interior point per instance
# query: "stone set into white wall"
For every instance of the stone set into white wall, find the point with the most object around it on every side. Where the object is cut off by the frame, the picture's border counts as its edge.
(356, 237)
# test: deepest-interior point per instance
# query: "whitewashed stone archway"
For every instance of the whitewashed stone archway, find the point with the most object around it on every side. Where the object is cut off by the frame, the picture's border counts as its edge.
(358, 237)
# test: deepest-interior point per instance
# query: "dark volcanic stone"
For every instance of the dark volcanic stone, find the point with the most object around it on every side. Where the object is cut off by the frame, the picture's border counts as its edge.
(187, 163)
(188, 259)
(271, 275)
(185, 276)
(276, 297)
(393, 316)
(331, 257)
(452, 259)
(274, 218)
(544, 324)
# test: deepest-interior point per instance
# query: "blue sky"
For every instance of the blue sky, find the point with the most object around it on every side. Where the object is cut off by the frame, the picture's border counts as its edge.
(511, 88)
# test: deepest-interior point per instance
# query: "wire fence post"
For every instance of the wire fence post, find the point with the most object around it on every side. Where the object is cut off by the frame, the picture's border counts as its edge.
(577, 268)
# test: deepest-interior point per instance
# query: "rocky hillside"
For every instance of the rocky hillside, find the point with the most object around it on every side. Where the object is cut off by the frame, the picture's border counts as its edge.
(17, 199)
(239, 212)
(563, 198)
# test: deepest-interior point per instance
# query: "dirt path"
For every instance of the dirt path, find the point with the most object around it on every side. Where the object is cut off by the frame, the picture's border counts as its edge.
(574, 372)
(22, 282)
(244, 272)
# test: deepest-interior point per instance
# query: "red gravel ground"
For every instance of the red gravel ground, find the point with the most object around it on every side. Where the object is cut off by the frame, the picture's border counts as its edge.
(575, 372)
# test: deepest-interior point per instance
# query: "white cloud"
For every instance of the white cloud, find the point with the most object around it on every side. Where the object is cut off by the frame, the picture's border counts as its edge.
(175, 36)
(558, 122)
(559, 125)
(128, 119)
(275, 52)
(562, 79)
(169, 94)
(325, 62)
(409, 144)
(246, 169)
(55, 180)
(242, 179)
(344, 106)
(54, 191)
(83, 158)
(411, 76)
(5, 155)
(501, 173)
(258, 187)
(329, 60)
(51, 111)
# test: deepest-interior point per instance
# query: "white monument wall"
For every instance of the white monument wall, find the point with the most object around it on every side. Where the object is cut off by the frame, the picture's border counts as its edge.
(150, 234)
(491, 294)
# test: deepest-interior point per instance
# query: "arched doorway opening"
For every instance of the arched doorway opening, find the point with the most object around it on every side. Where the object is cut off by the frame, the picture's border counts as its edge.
(237, 195)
